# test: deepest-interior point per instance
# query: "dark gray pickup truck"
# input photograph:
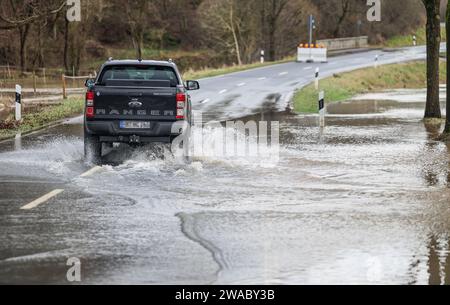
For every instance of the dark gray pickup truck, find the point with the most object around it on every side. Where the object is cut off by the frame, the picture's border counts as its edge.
(134, 102)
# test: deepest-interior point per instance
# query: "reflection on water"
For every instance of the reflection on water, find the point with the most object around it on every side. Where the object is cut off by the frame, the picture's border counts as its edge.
(437, 262)
(434, 263)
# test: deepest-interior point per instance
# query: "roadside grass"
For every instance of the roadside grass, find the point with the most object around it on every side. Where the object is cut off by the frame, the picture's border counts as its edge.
(41, 118)
(340, 87)
(407, 40)
(204, 73)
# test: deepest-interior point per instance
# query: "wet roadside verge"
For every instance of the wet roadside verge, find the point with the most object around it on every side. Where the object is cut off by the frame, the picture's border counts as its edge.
(36, 117)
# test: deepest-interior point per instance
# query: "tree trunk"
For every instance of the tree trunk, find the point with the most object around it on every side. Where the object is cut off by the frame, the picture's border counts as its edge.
(447, 25)
(341, 19)
(263, 25)
(433, 32)
(235, 38)
(138, 42)
(140, 45)
(23, 32)
(272, 30)
(272, 42)
(66, 44)
(41, 51)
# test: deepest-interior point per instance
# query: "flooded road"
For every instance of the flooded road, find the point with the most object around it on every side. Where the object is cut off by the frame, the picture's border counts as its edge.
(363, 201)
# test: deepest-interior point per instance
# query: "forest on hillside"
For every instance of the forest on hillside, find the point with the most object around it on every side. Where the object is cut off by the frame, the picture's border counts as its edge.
(200, 33)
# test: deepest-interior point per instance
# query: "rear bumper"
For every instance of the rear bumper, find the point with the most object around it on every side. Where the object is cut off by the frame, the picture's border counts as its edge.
(109, 131)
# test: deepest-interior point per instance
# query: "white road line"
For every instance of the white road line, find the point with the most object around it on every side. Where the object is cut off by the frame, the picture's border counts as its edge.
(42, 200)
(283, 73)
(205, 101)
(241, 84)
(307, 68)
(262, 78)
(223, 91)
(91, 172)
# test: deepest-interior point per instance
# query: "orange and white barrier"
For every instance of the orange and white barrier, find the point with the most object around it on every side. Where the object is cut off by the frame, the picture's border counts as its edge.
(312, 53)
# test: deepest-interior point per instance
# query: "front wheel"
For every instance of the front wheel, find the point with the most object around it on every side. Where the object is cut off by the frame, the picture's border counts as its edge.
(92, 149)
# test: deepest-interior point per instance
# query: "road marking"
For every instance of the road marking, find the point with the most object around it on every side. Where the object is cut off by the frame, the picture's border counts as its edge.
(262, 78)
(241, 84)
(223, 91)
(283, 73)
(91, 172)
(205, 101)
(42, 200)
(307, 68)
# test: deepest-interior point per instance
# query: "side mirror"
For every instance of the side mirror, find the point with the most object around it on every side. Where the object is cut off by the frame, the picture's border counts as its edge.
(192, 85)
(90, 82)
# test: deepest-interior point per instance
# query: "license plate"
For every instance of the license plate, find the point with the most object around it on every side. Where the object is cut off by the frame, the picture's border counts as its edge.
(134, 125)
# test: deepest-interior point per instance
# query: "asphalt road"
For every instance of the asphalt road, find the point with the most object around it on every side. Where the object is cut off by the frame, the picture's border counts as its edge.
(239, 94)
(363, 201)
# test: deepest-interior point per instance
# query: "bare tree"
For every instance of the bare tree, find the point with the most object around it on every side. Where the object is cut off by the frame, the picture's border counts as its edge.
(272, 10)
(447, 25)
(37, 32)
(21, 14)
(345, 7)
(433, 33)
(137, 13)
(226, 21)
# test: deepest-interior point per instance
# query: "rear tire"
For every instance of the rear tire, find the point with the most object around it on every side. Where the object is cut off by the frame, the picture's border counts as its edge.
(92, 149)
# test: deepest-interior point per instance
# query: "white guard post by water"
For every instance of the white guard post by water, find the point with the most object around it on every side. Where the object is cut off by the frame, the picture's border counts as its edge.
(18, 103)
(322, 109)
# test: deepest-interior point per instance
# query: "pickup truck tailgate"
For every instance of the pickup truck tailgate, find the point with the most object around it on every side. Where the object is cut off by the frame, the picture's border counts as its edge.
(125, 103)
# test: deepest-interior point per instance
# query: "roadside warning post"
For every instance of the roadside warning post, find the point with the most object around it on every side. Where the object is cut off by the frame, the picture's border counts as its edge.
(262, 56)
(18, 103)
(322, 109)
(414, 40)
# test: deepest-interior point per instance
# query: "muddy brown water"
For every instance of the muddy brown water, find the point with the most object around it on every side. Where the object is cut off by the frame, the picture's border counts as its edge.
(364, 200)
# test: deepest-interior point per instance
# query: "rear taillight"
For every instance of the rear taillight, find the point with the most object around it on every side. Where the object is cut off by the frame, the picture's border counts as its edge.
(89, 112)
(90, 104)
(90, 98)
(181, 105)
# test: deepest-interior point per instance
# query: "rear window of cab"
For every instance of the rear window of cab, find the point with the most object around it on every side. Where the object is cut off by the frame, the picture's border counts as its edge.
(139, 73)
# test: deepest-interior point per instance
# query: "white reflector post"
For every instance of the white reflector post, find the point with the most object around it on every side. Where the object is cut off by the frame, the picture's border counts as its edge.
(18, 103)
(322, 109)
